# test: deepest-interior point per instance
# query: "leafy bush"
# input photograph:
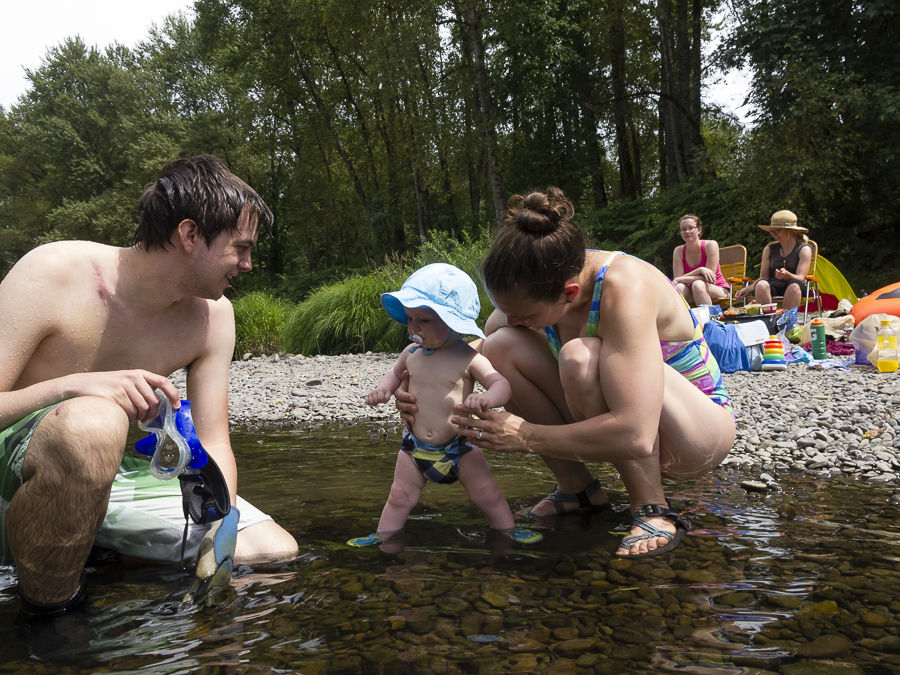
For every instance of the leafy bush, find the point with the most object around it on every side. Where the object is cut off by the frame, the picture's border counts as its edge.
(648, 228)
(347, 316)
(259, 319)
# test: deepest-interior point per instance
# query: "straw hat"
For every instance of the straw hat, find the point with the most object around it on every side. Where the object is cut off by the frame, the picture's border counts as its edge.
(784, 220)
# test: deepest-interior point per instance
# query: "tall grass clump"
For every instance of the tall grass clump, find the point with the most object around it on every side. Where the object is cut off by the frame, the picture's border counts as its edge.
(259, 320)
(347, 316)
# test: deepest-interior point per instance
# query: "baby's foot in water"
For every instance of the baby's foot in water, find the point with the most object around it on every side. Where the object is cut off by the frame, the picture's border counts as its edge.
(591, 500)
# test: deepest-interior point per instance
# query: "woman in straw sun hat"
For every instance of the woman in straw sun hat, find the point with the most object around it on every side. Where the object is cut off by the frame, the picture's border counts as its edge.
(785, 262)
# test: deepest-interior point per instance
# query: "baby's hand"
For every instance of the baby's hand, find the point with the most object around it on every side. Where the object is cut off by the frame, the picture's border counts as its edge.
(377, 396)
(477, 403)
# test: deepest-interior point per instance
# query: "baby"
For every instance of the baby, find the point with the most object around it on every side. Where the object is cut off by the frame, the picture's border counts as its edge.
(438, 304)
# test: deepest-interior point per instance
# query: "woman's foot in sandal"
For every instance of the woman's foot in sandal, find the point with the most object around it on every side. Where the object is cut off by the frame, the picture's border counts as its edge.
(589, 501)
(655, 530)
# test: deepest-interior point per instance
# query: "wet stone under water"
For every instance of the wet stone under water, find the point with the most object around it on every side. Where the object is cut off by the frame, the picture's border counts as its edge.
(805, 579)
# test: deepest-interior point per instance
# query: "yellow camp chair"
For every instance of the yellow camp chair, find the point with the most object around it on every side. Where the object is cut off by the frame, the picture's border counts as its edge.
(733, 261)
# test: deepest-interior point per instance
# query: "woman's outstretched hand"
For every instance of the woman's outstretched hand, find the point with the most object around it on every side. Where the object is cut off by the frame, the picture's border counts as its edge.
(491, 430)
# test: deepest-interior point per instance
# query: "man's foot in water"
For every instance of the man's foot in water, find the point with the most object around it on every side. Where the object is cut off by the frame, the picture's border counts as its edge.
(589, 501)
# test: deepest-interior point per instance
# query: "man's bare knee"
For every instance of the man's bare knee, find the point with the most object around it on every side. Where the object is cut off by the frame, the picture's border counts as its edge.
(266, 539)
(82, 437)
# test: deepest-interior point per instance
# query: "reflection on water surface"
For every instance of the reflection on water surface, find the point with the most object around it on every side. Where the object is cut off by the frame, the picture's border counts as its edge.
(812, 590)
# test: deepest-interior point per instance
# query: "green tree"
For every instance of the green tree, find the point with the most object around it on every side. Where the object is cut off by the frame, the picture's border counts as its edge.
(826, 143)
(78, 148)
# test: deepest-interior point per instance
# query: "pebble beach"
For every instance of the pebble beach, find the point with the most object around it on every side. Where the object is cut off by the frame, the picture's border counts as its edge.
(827, 422)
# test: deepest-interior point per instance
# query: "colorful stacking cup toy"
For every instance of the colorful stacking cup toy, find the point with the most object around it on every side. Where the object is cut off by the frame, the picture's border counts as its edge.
(773, 354)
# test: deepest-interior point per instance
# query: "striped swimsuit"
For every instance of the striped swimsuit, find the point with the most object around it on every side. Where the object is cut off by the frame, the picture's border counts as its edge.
(691, 358)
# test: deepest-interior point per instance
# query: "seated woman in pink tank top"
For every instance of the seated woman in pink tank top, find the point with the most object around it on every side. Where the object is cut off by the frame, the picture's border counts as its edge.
(695, 265)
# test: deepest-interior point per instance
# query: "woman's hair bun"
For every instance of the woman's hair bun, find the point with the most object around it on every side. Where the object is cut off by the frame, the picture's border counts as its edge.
(540, 212)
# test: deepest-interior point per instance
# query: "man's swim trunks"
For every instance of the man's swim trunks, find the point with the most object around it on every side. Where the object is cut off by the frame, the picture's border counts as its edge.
(438, 463)
(13, 444)
(144, 518)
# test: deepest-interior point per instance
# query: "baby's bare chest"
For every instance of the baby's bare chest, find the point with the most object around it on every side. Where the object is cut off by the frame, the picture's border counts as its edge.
(438, 379)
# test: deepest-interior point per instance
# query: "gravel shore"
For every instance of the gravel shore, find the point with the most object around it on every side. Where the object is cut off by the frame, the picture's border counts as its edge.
(827, 422)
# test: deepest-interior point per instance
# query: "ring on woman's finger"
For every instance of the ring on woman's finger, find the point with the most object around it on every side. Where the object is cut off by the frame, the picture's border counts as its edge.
(479, 434)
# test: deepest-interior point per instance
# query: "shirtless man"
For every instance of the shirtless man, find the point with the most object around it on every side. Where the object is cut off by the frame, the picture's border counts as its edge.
(89, 332)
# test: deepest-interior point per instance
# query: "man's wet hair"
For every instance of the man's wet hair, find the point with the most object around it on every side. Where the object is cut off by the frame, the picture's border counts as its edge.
(201, 189)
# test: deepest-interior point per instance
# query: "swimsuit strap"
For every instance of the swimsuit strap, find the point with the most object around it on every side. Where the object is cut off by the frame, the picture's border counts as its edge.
(594, 314)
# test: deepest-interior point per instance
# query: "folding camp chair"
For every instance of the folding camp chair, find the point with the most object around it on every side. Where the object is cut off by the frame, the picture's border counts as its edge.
(733, 261)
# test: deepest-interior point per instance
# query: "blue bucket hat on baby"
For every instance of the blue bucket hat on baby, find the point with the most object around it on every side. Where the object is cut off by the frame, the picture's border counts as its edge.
(446, 289)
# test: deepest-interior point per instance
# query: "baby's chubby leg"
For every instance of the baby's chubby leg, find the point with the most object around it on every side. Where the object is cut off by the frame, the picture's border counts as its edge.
(405, 492)
(475, 477)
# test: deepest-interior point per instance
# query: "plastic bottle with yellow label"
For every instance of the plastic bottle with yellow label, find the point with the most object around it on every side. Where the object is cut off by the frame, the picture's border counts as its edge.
(886, 344)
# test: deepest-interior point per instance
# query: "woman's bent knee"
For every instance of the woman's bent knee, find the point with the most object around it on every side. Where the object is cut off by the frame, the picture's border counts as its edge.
(578, 369)
(509, 342)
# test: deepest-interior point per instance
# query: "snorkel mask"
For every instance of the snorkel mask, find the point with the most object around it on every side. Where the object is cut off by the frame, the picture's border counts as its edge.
(172, 445)
(175, 451)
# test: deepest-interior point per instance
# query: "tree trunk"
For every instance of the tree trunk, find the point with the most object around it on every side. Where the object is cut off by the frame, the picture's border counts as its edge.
(420, 206)
(594, 151)
(447, 181)
(593, 147)
(663, 155)
(627, 186)
(485, 113)
(674, 143)
(683, 82)
(351, 99)
(696, 80)
(329, 123)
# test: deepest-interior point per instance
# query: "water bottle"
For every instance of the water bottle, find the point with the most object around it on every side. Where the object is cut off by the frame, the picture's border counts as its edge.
(886, 344)
(818, 340)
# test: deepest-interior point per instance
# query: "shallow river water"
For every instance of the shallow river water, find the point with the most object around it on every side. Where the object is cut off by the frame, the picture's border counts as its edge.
(802, 580)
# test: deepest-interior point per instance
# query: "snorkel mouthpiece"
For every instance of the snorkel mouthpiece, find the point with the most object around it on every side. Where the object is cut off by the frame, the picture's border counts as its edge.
(173, 444)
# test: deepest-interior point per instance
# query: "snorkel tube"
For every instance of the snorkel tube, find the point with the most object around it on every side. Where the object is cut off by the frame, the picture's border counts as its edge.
(173, 444)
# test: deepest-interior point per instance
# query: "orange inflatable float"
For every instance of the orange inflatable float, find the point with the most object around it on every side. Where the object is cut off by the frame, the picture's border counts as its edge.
(883, 301)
